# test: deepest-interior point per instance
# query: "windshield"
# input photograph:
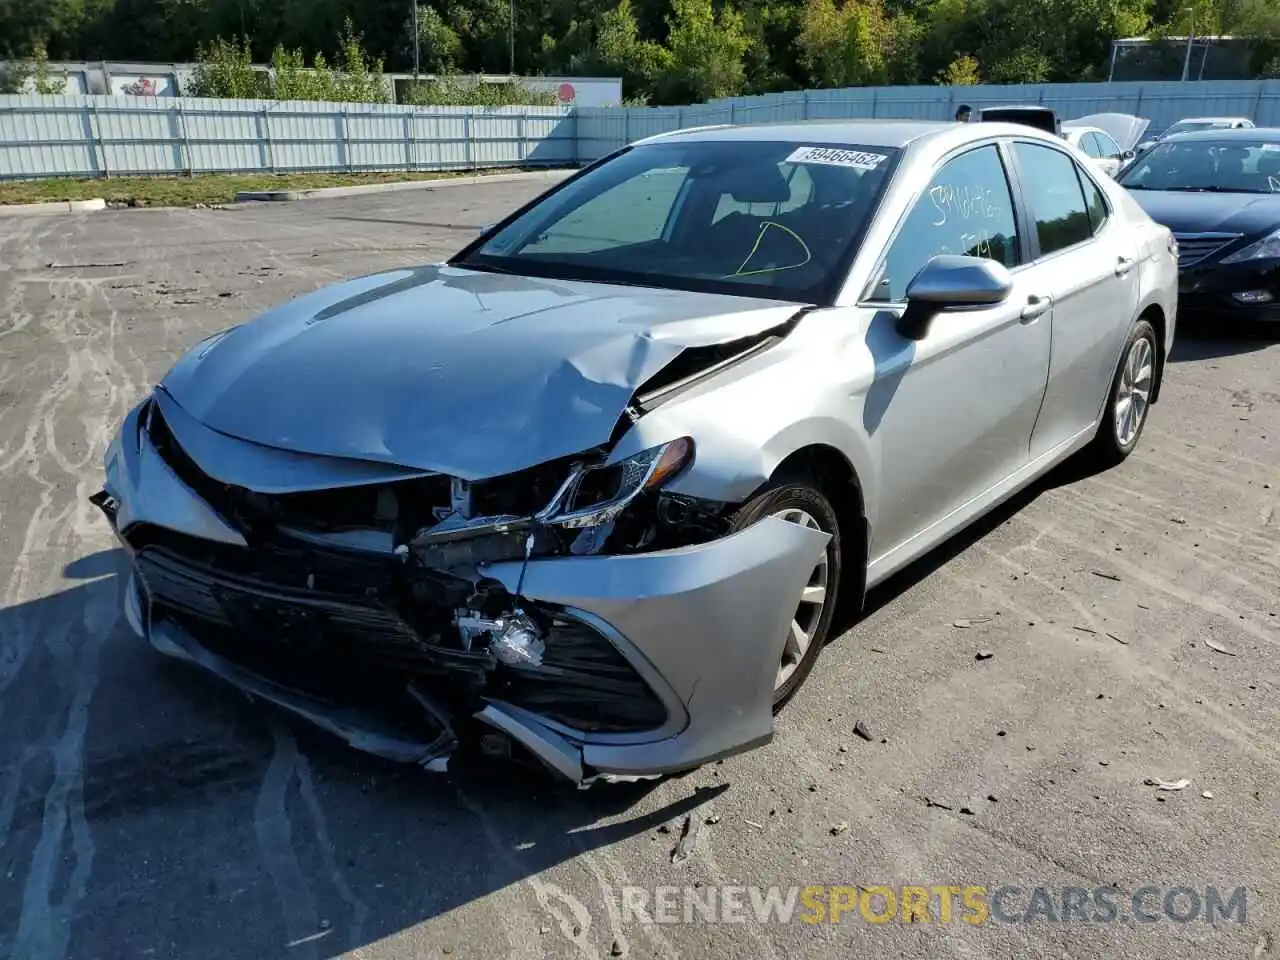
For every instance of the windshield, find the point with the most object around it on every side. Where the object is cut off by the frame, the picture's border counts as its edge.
(772, 219)
(1225, 166)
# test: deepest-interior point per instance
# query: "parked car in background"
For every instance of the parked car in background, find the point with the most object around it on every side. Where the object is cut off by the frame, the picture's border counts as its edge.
(1098, 145)
(1193, 124)
(1033, 115)
(1218, 190)
(600, 481)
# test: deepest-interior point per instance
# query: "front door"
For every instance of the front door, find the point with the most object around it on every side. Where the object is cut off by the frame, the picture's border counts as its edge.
(951, 415)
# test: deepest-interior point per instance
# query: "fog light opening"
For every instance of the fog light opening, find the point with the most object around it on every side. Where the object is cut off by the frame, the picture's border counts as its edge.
(514, 639)
(1253, 296)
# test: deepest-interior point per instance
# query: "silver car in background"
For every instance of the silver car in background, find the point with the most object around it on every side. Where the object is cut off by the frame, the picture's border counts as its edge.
(600, 482)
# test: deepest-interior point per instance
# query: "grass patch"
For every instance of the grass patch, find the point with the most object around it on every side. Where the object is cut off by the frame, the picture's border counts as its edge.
(206, 189)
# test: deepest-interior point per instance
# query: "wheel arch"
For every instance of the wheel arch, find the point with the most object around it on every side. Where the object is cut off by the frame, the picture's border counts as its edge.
(838, 480)
(1154, 314)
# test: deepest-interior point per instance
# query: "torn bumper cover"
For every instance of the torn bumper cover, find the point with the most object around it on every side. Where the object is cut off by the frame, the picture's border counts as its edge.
(602, 666)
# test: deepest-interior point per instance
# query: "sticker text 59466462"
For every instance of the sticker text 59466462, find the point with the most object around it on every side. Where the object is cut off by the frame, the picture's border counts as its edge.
(837, 157)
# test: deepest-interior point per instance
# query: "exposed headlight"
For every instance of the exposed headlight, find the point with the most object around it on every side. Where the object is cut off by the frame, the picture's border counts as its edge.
(1268, 248)
(597, 495)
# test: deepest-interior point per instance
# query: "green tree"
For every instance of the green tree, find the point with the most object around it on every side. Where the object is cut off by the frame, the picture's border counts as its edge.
(439, 46)
(706, 50)
(844, 45)
(960, 72)
(619, 51)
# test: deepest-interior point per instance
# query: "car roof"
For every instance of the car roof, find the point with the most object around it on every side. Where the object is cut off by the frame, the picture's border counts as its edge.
(867, 133)
(1235, 133)
(1208, 120)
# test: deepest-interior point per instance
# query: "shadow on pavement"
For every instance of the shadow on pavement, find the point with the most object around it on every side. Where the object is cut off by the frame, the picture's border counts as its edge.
(1072, 471)
(208, 826)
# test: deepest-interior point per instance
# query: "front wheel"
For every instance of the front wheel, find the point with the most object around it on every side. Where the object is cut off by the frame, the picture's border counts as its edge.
(800, 500)
(1129, 401)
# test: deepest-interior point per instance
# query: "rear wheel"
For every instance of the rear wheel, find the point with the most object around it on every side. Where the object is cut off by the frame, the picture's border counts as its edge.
(1129, 401)
(798, 499)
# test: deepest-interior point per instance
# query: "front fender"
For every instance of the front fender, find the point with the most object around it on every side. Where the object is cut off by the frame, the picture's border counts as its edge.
(748, 420)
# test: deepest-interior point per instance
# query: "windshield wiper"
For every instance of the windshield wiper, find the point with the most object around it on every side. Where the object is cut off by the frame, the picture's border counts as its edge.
(480, 267)
(1210, 189)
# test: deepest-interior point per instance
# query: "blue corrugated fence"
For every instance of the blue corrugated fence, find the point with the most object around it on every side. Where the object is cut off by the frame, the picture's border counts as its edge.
(94, 136)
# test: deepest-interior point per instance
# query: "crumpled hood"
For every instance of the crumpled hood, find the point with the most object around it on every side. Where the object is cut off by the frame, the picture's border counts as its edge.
(470, 374)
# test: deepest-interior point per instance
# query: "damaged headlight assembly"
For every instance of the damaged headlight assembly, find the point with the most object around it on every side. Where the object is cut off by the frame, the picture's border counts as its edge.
(592, 497)
(596, 495)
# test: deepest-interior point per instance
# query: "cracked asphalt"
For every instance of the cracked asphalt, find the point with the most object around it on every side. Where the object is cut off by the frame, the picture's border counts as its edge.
(147, 811)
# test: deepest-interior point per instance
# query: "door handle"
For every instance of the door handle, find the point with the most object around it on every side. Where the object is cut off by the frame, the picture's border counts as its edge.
(1123, 265)
(1036, 307)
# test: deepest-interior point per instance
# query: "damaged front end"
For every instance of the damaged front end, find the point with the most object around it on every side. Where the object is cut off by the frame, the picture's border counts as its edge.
(612, 629)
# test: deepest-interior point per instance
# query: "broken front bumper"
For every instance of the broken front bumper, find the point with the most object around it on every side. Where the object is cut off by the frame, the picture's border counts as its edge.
(700, 630)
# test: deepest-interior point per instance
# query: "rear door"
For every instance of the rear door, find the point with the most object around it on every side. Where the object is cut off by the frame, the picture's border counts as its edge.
(1088, 263)
(951, 414)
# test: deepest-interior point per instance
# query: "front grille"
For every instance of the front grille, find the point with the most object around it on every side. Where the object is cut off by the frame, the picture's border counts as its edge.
(306, 623)
(1194, 247)
(333, 644)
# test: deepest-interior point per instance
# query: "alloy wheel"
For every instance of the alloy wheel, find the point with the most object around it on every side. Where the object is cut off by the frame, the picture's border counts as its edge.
(1134, 392)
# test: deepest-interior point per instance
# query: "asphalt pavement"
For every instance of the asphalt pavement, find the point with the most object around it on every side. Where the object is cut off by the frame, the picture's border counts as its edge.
(1014, 691)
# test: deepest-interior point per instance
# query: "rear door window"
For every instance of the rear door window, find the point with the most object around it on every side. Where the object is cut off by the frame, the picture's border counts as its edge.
(1051, 182)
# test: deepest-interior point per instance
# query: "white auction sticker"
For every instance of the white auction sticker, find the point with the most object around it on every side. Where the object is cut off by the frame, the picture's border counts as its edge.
(1271, 146)
(837, 157)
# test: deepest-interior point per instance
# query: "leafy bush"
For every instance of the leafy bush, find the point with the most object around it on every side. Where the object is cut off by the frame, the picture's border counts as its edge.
(15, 76)
(961, 72)
(224, 69)
(454, 91)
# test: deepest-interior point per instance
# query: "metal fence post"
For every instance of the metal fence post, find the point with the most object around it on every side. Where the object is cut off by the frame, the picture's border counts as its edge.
(521, 147)
(576, 114)
(266, 139)
(184, 143)
(626, 125)
(467, 135)
(95, 124)
(804, 105)
(408, 141)
(346, 139)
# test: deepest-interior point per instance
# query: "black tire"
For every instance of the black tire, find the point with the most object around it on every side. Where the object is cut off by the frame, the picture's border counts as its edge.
(1109, 447)
(801, 492)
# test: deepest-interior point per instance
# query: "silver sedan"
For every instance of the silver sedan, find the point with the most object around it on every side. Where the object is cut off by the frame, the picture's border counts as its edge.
(596, 486)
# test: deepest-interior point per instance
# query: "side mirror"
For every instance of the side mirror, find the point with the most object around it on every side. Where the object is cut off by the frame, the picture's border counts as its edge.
(486, 228)
(950, 282)
(1128, 155)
